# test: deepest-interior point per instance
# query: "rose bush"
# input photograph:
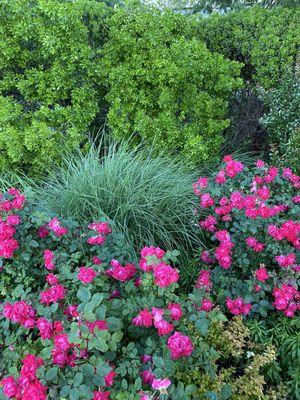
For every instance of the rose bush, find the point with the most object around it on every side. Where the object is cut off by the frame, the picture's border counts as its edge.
(251, 216)
(80, 320)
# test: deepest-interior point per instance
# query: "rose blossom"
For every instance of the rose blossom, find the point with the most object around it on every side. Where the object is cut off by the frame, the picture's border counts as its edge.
(161, 384)
(261, 274)
(180, 345)
(86, 275)
(98, 395)
(147, 377)
(165, 275)
(176, 311)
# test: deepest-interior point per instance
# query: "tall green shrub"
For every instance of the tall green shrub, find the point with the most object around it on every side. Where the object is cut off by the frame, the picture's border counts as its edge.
(265, 40)
(282, 121)
(49, 77)
(164, 86)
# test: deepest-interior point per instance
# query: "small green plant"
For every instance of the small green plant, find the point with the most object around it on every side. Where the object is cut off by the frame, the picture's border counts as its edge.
(282, 333)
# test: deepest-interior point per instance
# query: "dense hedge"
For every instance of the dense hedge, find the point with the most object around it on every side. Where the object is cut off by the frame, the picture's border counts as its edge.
(49, 77)
(265, 40)
(164, 85)
(65, 64)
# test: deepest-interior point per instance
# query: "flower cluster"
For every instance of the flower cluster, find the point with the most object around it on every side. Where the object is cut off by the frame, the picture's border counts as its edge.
(119, 272)
(63, 352)
(9, 203)
(286, 261)
(180, 345)
(49, 260)
(87, 313)
(248, 211)
(254, 244)
(27, 386)
(55, 226)
(152, 261)
(261, 274)
(53, 294)
(21, 313)
(86, 275)
(204, 280)
(223, 251)
(289, 230)
(287, 299)
(102, 229)
(238, 306)
(155, 318)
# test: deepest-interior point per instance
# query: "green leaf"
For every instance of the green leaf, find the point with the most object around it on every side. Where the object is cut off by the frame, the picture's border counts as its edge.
(226, 392)
(158, 362)
(211, 395)
(74, 334)
(65, 390)
(51, 374)
(45, 353)
(85, 392)
(78, 378)
(117, 336)
(191, 389)
(74, 394)
(114, 324)
(103, 368)
(87, 369)
(101, 345)
(100, 312)
(97, 299)
(137, 384)
(84, 294)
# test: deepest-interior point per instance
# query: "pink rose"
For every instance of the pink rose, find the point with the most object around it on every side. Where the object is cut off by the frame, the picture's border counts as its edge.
(10, 387)
(52, 279)
(101, 395)
(161, 384)
(206, 305)
(86, 275)
(180, 345)
(176, 311)
(109, 378)
(48, 259)
(147, 377)
(261, 274)
(143, 319)
(163, 327)
(165, 275)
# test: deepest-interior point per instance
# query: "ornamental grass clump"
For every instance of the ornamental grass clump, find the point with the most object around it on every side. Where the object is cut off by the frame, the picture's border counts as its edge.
(149, 200)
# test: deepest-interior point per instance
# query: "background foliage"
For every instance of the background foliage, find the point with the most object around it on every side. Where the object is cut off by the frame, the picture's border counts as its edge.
(164, 86)
(282, 121)
(49, 78)
(265, 40)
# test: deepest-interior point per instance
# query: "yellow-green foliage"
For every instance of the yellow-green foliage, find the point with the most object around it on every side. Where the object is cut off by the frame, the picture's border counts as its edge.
(238, 364)
(49, 74)
(265, 40)
(164, 86)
